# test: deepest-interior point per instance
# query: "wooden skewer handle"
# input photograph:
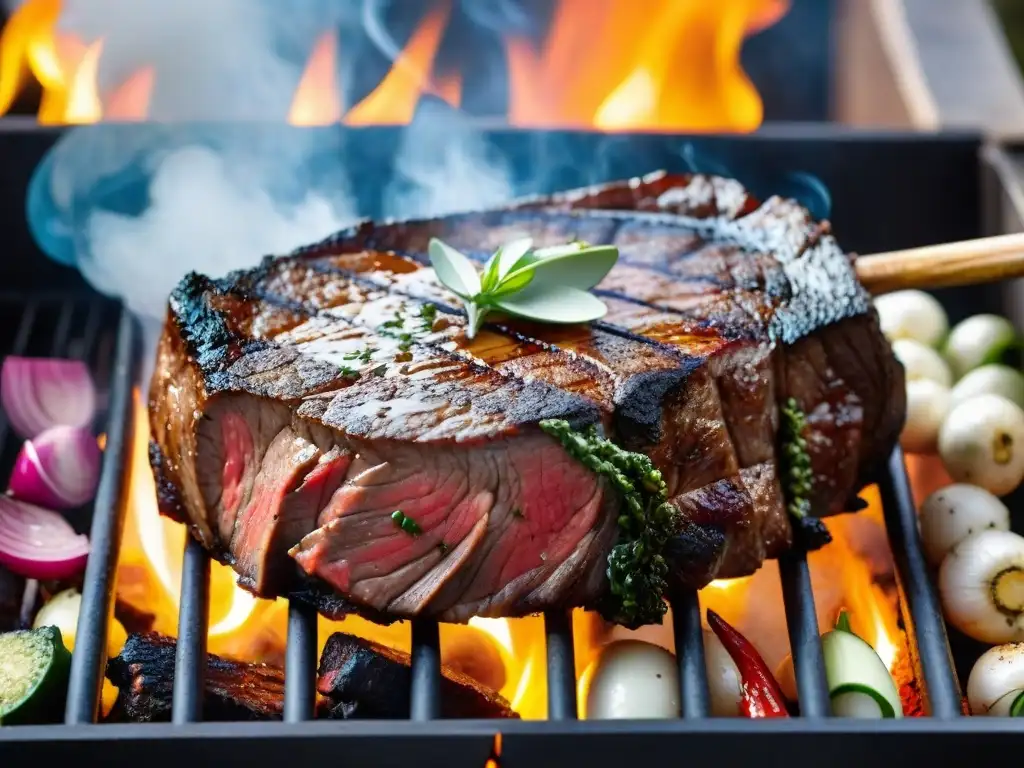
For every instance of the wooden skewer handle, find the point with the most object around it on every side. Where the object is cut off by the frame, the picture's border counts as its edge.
(984, 260)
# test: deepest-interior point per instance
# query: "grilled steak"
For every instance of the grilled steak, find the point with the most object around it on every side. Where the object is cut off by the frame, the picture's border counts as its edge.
(328, 405)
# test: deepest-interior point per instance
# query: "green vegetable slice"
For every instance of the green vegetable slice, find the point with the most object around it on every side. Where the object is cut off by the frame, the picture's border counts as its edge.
(34, 670)
(1017, 708)
(852, 666)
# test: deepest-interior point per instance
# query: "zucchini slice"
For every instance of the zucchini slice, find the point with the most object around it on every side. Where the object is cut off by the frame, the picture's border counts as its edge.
(858, 682)
(34, 670)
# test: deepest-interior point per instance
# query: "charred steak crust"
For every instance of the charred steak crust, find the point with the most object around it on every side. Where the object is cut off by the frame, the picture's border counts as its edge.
(720, 309)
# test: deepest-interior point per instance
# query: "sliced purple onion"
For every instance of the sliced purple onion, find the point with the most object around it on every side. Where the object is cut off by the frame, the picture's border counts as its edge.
(39, 544)
(39, 393)
(57, 470)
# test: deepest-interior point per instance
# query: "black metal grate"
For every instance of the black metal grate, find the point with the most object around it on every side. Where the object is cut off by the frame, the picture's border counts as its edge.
(925, 627)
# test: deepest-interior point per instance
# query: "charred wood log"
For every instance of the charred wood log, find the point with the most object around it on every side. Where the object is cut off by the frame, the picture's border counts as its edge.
(367, 680)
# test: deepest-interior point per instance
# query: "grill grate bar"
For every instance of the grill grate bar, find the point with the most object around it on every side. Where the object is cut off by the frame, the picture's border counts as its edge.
(693, 680)
(561, 665)
(300, 664)
(105, 536)
(917, 591)
(804, 641)
(425, 688)
(190, 651)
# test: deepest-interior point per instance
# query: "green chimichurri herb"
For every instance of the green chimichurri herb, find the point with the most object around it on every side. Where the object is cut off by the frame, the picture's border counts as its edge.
(364, 355)
(636, 565)
(380, 370)
(797, 479)
(518, 514)
(395, 322)
(797, 476)
(406, 523)
(427, 315)
(443, 548)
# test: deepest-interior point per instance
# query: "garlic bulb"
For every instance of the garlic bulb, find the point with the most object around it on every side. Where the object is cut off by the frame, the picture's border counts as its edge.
(981, 584)
(992, 379)
(927, 406)
(633, 680)
(951, 514)
(922, 362)
(982, 442)
(912, 315)
(996, 685)
(978, 340)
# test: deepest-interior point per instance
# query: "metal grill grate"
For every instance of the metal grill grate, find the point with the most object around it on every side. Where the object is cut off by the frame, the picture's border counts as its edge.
(925, 628)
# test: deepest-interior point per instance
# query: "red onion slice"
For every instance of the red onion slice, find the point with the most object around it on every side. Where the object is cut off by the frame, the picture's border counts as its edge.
(57, 470)
(39, 544)
(39, 393)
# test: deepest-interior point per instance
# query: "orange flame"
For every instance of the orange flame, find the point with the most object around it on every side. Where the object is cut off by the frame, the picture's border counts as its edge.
(675, 66)
(394, 101)
(67, 70)
(318, 100)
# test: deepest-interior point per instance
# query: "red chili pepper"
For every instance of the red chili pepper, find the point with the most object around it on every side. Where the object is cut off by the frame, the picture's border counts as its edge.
(762, 696)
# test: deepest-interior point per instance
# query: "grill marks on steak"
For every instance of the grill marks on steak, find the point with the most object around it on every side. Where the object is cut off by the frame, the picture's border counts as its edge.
(753, 274)
(625, 375)
(686, 367)
(322, 470)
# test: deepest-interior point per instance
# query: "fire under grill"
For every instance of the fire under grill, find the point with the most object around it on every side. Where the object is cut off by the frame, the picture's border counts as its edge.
(889, 191)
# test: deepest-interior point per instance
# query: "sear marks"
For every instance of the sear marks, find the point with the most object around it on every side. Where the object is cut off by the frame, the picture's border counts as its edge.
(304, 409)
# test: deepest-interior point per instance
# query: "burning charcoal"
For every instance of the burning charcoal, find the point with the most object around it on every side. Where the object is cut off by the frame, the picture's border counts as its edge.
(371, 681)
(235, 690)
(12, 590)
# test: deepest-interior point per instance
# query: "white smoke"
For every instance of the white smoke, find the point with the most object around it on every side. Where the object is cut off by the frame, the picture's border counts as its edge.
(223, 194)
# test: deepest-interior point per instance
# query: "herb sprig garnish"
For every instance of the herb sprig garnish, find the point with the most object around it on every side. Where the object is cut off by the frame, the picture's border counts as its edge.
(798, 478)
(636, 566)
(546, 285)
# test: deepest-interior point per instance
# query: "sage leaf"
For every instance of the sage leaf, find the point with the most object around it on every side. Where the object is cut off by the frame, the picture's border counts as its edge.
(582, 268)
(549, 303)
(510, 255)
(503, 261)
(454, 269)
(516, 282)
(475, 315)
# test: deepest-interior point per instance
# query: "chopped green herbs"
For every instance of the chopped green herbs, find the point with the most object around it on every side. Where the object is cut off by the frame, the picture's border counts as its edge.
(395, 322)
(380, 370)
(809, 532)
(518, 514)
(427, 315)
(406, 523)
(443, 548)
(797, 476)
(364, 355)
(636, 565)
